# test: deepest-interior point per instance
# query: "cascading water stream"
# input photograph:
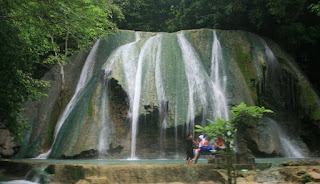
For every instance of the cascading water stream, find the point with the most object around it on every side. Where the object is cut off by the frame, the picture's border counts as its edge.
(128, 55)
(145, 54)
(129, 60)
(272, 73)
(86, 74)
(210, 90)
(105, 131)
(218, 73)
(162, 102)
(288, 147)
(122, 52)
(176, 131)
(196, 79)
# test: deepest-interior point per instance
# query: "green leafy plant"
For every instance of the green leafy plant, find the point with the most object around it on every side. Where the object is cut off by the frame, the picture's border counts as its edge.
(219, 128)
(242, 116)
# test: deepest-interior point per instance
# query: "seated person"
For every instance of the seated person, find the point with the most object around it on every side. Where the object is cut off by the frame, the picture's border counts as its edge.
(203, 145)
(217, 145)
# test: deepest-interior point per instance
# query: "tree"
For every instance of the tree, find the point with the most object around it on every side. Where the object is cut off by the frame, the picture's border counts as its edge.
(65, 27)
(43, 33)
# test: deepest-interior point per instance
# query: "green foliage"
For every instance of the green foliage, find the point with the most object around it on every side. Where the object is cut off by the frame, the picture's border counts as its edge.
(315, 7)
(242, 116)
(219, 128)
(42, 33)
(146, 15)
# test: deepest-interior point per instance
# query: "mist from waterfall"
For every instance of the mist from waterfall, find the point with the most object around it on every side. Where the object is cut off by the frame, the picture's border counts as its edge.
(86, 74)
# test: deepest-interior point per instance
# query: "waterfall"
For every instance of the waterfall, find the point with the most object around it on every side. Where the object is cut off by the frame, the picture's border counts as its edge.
(127, 54)
(105, 131)
(219, 79)
(289, 148)
(176, 130)
(145, 54)
(210, 90)
(196, 76)
(129, 61)
(86, 74)
(162, 102)
(272, 73)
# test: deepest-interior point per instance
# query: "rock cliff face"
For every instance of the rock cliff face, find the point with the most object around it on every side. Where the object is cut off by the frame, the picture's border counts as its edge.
(143, 92)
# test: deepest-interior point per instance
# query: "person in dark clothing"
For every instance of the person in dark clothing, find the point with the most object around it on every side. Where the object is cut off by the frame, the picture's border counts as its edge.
(189, 142)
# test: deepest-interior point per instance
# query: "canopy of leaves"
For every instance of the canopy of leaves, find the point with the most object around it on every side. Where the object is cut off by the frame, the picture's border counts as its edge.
(34, 31)
(146, 15)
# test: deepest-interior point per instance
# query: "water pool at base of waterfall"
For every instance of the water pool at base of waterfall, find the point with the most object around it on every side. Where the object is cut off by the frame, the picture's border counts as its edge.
(111, 161)
(140, 161)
